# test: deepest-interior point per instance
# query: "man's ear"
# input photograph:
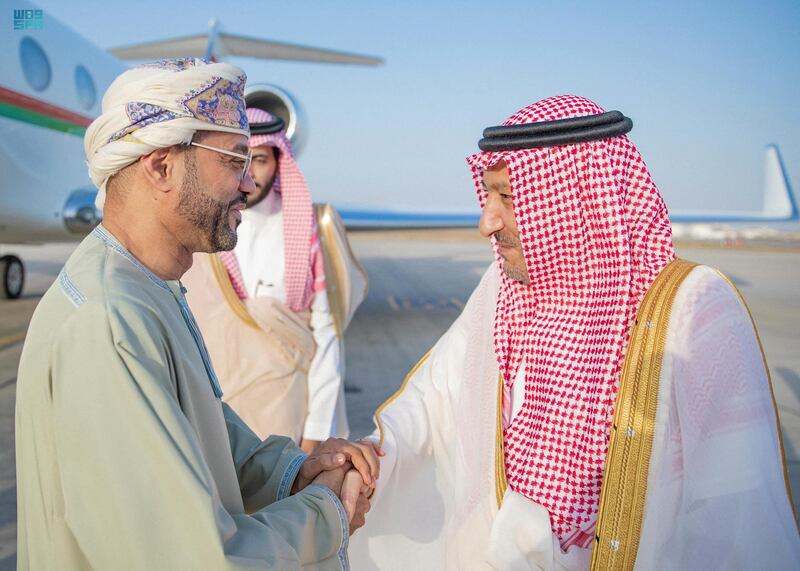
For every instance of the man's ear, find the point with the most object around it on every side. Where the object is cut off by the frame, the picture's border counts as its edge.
(162, 168)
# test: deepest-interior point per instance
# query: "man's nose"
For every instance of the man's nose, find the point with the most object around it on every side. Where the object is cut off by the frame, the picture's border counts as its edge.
(246, 185)
(490, 221)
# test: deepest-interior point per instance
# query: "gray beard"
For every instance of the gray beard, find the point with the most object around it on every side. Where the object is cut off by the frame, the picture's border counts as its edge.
(516, 274)
(209, 216)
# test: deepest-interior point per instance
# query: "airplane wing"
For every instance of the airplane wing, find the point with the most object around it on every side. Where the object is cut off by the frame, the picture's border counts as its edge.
(176, 47)
(267, 49)
(779, 205)
(366, 218)
(225, 44)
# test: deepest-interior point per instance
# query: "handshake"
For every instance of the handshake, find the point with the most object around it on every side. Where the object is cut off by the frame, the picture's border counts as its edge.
(349, 469)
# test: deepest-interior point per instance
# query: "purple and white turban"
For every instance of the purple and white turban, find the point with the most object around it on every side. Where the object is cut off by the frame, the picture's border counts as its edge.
(157, 105)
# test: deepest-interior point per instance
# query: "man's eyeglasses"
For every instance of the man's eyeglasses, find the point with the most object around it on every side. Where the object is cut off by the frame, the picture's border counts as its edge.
(248, 158)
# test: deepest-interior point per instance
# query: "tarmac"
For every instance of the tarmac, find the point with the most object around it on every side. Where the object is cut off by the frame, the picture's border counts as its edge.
(419, 282)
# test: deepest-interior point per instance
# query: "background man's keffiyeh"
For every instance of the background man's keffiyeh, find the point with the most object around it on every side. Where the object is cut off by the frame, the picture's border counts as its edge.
(304, 269)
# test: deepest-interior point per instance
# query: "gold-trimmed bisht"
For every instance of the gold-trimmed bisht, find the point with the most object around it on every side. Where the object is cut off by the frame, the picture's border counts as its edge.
(624, 491)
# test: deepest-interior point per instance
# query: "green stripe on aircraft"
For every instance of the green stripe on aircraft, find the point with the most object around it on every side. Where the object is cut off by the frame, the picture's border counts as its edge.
(40, 119)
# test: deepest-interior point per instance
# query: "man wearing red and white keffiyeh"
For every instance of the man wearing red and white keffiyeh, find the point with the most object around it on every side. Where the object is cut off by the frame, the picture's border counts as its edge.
(283, 200)
(581, 233)
(497, 444)
(279, 256)
(276, 270)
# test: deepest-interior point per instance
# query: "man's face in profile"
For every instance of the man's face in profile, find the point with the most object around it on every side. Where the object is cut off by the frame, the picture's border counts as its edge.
(263, 170)
(214, 190)
(498, 220)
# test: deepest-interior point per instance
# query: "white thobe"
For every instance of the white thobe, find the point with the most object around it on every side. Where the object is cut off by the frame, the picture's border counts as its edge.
(716, 497)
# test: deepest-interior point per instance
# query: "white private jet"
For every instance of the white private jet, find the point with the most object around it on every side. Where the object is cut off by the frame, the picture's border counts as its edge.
(51, 83)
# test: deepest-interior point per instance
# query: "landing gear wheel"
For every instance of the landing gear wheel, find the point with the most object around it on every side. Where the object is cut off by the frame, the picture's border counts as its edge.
(12, 273)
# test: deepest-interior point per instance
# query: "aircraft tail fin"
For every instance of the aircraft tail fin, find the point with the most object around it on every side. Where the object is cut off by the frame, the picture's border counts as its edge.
(779, 200)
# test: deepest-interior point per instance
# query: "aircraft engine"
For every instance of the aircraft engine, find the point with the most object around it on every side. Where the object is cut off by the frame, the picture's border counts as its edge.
(80, 213)
(280, 102)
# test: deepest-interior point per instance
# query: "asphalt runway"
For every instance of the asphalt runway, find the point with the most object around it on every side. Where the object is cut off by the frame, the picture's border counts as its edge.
(419, 282)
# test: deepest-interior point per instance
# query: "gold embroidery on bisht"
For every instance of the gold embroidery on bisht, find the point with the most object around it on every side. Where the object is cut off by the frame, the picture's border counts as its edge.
(622, 497)
(501, 483)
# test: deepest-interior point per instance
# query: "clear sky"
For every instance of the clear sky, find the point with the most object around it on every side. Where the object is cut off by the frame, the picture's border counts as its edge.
(707, 84)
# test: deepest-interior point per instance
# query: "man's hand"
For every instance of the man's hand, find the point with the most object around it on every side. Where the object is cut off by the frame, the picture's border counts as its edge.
(308, 446)
(333, 479)
(354, 498)
(336, 453)
(348, 486)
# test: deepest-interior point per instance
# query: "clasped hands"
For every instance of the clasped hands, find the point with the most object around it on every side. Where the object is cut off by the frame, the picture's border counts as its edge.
(349, 469)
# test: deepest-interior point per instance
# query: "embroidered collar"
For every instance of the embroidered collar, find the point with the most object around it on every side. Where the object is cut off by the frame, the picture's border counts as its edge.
(111, 242)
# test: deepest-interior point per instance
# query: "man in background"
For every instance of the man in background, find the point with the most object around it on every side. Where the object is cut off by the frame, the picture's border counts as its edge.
(264, 308)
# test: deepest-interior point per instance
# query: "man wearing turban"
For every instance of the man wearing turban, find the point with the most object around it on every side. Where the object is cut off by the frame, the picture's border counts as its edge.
(599, 403)
(126, 456)
(263, 307)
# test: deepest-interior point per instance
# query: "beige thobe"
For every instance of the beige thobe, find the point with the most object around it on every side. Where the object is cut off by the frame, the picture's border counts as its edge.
(265, 354)
(262, 350)
(126, 457)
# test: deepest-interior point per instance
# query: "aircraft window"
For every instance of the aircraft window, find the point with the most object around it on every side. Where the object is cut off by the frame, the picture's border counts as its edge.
(35, 64)
(84, 85)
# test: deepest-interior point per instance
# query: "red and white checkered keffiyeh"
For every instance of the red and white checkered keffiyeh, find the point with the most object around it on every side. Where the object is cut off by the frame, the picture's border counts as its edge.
(234, 273)
(595, 234)
(304, 273)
